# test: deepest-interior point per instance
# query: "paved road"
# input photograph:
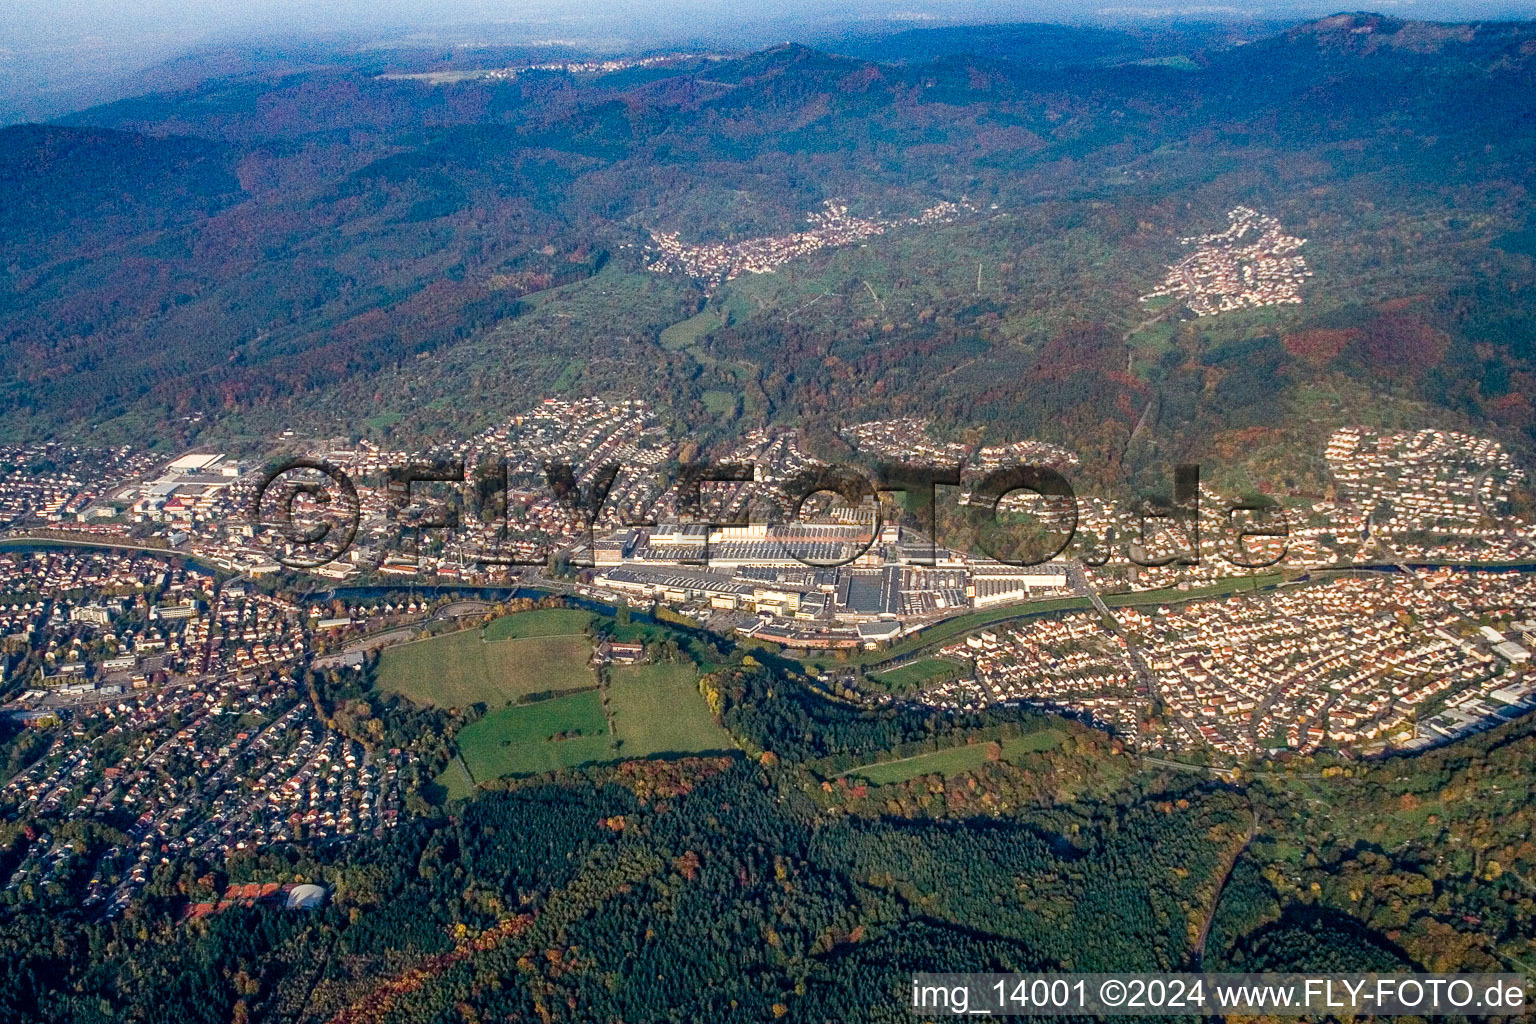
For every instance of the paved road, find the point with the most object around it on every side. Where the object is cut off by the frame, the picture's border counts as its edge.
(459, 609)
(1079, 581)
(126, 544)
(366, 643)
(1220, 773)
(215, 624)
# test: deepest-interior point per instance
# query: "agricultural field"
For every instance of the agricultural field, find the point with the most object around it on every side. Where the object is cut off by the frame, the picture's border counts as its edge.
(686, 333)
(657, 709)
(539, 622)
(955, 760)
(918, 674)
(459, 669)
(720, 403)
(521, 740)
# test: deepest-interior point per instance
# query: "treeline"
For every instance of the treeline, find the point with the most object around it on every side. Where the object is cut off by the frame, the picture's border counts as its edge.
(770, 708)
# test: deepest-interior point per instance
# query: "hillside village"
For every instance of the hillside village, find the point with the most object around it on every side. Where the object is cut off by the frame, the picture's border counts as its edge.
(1247, 266)
(719, 262)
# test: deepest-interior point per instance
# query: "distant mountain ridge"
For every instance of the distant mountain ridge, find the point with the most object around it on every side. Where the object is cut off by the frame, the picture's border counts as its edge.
(1048, 46)
(266, 246)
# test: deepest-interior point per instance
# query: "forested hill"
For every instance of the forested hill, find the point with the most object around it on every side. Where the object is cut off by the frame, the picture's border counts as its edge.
(1037, 45)
(55, 184)
(286, 249)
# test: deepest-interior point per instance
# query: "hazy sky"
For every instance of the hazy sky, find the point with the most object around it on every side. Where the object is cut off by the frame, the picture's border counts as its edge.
(59, 54)
(112, 21)
(55, 46)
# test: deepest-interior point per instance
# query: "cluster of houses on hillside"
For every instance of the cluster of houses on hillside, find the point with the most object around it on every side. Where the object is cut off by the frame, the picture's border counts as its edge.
(573, 67)
(1250, 264)
(1424, 479)
(718, 262)
(909, 441)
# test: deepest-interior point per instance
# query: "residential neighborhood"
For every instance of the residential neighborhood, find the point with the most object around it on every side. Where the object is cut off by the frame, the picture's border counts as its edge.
(832, 226)
(1358, 662)
(1247, 266)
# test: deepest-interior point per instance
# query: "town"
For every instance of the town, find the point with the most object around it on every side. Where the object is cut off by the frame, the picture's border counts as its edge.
(154, 634)
(173, 723)
(573, 67)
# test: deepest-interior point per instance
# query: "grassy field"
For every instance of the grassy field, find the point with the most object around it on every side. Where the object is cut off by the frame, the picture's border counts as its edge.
(688, 332)
(945, 630)
(455, 780)
(458, 669)
(1173, 595)
(915, 675)
(657, 709)
(720, 403)
(519, 740)
(955, 760)
(540, 622)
